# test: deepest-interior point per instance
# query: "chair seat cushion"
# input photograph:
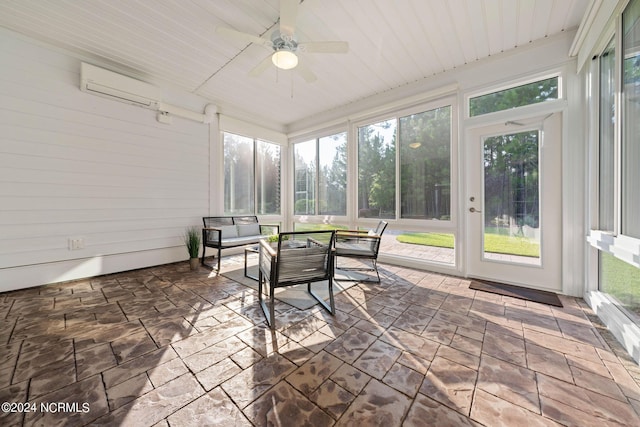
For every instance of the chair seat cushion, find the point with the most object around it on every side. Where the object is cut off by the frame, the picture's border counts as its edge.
(239, 241)
(248, 230)
(354, 249)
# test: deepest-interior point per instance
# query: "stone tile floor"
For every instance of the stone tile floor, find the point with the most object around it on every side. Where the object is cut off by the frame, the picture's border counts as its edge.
(164, 346)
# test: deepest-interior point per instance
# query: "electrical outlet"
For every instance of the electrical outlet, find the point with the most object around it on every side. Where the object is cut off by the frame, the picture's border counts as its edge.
(76, 243)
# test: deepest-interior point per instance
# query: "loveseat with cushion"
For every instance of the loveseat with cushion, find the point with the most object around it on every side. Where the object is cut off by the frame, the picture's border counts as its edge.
(224, 232)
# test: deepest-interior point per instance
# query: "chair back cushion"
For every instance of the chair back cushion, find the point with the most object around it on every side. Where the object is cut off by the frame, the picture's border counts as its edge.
(300, 264)
(302, 257)
(231, 226)
(227, 231)
(248, 229)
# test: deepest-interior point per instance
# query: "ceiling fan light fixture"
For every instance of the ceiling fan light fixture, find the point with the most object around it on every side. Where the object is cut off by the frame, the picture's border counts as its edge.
(415, 144)
(284, 59)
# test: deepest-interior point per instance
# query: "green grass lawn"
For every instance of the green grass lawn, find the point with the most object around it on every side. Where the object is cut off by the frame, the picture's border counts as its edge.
(501, 244)
(494, 243)
(622, 281)
(318, 227)
(439, 240)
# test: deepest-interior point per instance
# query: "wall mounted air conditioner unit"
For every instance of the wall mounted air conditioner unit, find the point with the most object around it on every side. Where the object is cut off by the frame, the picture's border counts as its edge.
(121, 88)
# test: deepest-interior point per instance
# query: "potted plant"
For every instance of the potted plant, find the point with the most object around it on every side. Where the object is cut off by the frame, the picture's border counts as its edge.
(192, 241)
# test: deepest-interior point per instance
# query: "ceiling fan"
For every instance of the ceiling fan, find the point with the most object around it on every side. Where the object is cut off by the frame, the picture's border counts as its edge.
(285, 44)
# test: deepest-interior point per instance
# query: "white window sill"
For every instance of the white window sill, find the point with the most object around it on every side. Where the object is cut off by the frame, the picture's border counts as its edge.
(623, 247)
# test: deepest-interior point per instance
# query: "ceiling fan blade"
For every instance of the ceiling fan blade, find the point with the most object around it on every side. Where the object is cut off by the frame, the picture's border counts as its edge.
(306, 73)
(288, 15)
(245, 37)
(261, 67)
(324, 47)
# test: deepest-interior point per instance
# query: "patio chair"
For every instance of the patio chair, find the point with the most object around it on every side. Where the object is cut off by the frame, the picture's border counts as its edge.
(296, 258)
(362, 245)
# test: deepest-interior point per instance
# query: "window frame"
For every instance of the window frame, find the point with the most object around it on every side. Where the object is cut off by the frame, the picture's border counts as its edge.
(613, 241)
(625, 212)
(450, 225)
(511, 85)
(316, 216)
(626, 248)
(615, 208)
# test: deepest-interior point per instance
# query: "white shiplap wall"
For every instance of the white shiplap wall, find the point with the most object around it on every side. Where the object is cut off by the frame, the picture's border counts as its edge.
(73, 165)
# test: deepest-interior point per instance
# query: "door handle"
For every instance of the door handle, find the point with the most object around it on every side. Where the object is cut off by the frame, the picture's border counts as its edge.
(474, 210)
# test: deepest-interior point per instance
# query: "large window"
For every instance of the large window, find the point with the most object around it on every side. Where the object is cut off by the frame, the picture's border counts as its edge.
(606, 176)
(424, 167)
(404, 173)
(631, 120)
(320, 176)
(332, 175)
(425, 159)
(251, 176)
(305, 170)
(267, 167)
(618, 228)
(377, 170)
(238, 175)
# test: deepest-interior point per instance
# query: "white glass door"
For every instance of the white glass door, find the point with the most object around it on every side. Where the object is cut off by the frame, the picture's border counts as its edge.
(513, 203)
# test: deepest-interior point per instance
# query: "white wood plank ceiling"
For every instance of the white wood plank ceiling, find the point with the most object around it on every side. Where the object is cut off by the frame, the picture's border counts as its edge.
(392, 43)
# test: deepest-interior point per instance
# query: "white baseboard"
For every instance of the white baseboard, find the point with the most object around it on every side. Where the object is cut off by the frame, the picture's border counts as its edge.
(14, 278)
(626, 331)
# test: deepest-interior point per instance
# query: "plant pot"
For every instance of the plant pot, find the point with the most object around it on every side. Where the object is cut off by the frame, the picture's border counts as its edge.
(194, 263)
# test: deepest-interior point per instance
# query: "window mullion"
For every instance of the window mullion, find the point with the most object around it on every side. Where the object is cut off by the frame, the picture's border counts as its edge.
(255, 177)
(398, 177)
(316, 190)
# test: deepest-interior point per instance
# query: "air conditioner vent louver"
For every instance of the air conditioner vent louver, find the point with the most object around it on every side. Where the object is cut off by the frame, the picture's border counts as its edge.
(115, 86)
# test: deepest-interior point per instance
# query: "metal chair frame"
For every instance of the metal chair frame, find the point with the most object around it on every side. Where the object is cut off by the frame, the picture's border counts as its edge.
(293, 261)
(365, 239)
